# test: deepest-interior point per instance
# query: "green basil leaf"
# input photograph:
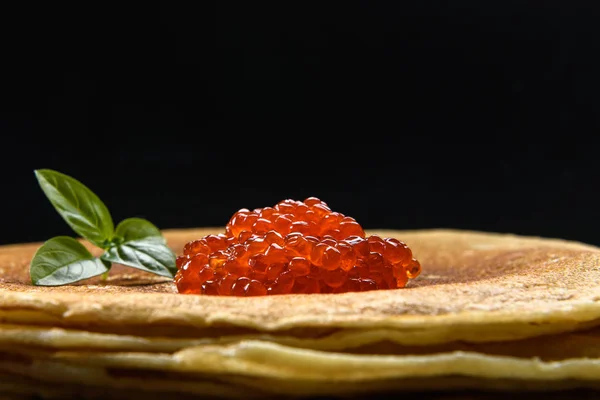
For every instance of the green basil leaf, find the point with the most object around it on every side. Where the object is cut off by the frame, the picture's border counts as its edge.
(148, 255)
(131, 229)
(63, 260)
(85, 213)
(140, 244)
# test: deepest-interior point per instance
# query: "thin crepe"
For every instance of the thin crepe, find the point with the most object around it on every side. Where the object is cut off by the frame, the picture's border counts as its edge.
(27, 384)
(271, 368)
(581, 344)
(474, 287)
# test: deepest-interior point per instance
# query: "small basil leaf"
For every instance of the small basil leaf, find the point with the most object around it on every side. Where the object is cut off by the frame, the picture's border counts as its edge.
(85, 213)
(147, 255)
(63, 260)
(131, 229)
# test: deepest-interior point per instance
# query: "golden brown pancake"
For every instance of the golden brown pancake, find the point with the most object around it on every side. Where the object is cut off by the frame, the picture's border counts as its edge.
(259, 369)
(42, 340)
(489, 311)
(474, 287)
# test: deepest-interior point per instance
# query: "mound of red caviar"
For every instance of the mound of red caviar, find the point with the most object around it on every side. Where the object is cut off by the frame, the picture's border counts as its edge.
(293, 247)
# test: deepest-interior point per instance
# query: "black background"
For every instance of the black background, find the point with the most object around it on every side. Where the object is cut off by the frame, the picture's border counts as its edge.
(474, 115)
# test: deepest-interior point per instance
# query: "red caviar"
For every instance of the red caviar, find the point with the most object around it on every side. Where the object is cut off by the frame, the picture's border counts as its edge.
(293, 247)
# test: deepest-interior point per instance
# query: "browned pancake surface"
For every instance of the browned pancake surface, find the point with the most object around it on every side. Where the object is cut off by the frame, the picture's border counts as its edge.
(467, 276)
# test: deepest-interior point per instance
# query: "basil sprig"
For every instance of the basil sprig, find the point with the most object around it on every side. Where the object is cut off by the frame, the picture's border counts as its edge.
(135, 242)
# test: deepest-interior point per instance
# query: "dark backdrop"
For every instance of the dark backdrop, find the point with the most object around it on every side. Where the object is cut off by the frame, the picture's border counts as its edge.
(474, 115)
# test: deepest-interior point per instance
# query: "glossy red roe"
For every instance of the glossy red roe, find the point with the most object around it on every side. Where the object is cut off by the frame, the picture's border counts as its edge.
(293, 247)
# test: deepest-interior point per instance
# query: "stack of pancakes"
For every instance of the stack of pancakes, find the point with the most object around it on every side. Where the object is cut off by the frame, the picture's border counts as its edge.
(489, 311)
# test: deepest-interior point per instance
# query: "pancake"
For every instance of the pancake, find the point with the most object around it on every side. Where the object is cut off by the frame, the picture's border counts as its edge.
(580, 344)
(25, 384)
(260, 369)
(489, 311)
(474, 287)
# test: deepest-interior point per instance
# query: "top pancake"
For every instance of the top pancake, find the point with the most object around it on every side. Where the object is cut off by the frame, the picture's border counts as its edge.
(474, 286)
